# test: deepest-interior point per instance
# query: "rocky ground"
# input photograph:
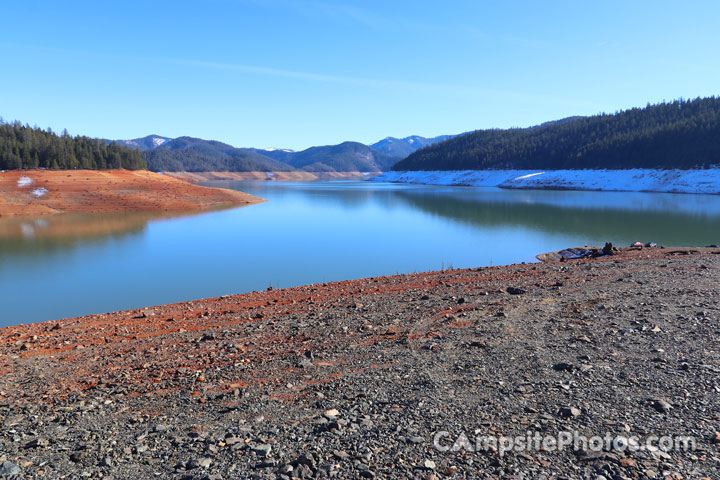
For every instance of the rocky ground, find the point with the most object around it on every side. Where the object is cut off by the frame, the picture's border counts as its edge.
(355, 379)
(41, 192)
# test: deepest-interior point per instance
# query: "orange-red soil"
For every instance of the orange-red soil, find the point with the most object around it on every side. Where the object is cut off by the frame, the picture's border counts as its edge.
(297, 176)
(96, 191)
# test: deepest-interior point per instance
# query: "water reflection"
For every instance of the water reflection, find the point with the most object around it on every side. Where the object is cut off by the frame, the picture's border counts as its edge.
(670, 219)
(31, 235)
(70, 265)
(622, 217)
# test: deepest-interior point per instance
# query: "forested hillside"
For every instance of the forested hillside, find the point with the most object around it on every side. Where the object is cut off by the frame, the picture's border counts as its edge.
(682, 134)
(197, 155)
(187, 154)
(22, 146)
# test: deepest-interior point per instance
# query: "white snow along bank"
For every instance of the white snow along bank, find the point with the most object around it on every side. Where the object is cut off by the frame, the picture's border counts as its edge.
(632, 180)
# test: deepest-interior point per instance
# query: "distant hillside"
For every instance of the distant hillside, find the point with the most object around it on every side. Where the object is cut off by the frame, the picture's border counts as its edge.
(681, 134)
(402, 147)
(196, 155)
(345, 157)
(24, 147)
(187, 154)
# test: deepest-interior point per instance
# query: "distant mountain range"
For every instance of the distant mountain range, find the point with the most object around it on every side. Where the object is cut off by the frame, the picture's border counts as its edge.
(345, 157)
(197, 155)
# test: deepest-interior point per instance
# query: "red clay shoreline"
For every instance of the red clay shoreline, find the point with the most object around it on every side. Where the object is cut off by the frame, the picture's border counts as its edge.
(42, 192)
(293, 176)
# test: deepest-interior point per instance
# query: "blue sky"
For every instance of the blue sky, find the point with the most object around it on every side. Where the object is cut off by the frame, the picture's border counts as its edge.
(291, 74)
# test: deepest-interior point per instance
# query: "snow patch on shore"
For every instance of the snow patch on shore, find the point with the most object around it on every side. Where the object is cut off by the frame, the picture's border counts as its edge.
(24, 182)
(39, 192)
(632, 180)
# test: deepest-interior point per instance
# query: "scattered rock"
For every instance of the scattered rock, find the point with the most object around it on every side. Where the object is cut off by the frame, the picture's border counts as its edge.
(569, 412)
(8, 468)
(262, 449)
(36, 443)
(660, 405)
(331, 414)
(563, 367)
(340, 454)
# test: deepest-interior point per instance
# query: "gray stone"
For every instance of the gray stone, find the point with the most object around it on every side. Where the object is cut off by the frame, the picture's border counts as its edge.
(569, 412)
(660, 405)
(8, 468)
(261, 449)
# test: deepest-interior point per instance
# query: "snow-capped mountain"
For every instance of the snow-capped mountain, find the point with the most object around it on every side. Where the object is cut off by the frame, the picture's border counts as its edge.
(286, 150)
(196, 154)
(402, 147)
(145, 143)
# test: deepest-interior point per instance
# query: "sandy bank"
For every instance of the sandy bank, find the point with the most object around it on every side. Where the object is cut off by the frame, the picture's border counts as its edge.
(297, 176)
(39, 192)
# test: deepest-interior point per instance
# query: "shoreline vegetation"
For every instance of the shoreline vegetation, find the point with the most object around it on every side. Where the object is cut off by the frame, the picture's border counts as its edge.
(311, 379)
(42, 192)
(25, 147)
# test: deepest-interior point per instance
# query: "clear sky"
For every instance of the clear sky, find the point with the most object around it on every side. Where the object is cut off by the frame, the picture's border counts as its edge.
(296, 73)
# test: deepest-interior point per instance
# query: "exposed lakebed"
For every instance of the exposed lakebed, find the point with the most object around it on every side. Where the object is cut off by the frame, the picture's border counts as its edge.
(64, 266)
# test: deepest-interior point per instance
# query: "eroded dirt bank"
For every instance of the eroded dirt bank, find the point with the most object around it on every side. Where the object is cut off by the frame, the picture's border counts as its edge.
(40, 192)
(355, 379)
(297, 176)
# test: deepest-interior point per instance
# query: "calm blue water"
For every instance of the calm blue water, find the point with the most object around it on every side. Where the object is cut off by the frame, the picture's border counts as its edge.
(71, 265)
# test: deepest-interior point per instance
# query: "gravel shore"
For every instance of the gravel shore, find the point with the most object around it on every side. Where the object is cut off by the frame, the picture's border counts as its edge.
(392, 377)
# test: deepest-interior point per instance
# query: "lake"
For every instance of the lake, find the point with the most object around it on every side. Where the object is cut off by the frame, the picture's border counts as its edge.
(70, 265)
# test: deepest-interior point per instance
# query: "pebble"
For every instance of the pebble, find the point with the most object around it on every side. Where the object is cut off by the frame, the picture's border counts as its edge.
(569, 412)
(660, 405)
(563, 367)
(262, 449)
(37, 443)
(331, 414)
(340, 454)
(8, 468)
